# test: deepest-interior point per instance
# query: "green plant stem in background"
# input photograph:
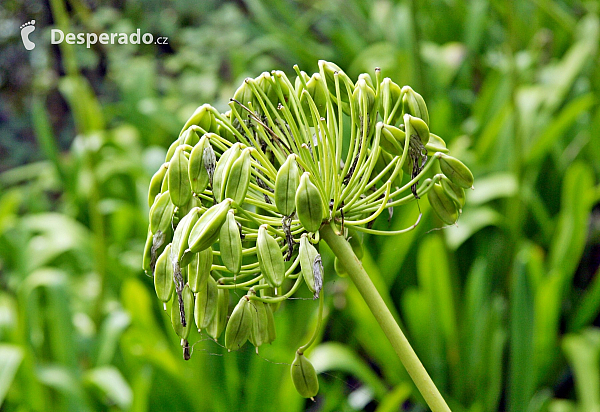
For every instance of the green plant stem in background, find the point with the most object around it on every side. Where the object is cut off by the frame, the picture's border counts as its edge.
(342, 249)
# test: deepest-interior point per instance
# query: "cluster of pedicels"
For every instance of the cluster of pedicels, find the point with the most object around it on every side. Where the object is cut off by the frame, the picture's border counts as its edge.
(241, 196)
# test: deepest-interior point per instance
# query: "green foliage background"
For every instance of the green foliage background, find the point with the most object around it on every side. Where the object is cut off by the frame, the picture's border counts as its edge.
(503, 309)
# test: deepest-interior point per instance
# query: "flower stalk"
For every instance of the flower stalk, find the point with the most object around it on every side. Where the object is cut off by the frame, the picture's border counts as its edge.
(343, 251)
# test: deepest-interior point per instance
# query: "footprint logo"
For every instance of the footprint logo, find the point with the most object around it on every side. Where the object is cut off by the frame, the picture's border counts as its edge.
(26, 30)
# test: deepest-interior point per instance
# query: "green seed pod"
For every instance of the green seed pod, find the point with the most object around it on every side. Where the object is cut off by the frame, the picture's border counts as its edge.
(456, 171)
(231, 244)
(197, 170)
(442, 205)
(182, 233)
(390, 94)
(202, 117)
(310, 265)
(286, 184)
(179, 181)
(199, 269)
(239, 326)
(163, 275)
(206, 230)
(363, 99)
(156, 183)
(414, 104)
(188, 305)
(222, 170)
(206, 303)
(304, 376)
(435, 144)
(415, 126)
(309, 204)
(392, 139)
(456, 193)
(270, 259)
(217, 326)
(259, 333)
(238, 178)
(161, 213)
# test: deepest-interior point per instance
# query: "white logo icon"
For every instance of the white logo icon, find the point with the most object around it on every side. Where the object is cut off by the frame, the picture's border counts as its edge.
(26, 30)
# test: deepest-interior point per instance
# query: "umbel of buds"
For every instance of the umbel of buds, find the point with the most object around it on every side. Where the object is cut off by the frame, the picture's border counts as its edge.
(243, 197)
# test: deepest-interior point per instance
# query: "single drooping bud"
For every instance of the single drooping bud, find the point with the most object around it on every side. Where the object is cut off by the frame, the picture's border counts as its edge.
(179, 181)
(188, 305)
(206, 303)
(156, 183)
(270, 259)
(181, 235)
(199, 269)
(363, 99)
(311, 266)
(197, 168)
(238, 178)
(161, 213)
(216, 327)
(231, 244)
(222, 170)
(456, 171)
(286, 185)
(416, 127)
(239, 326)
(206, 230)
(259, 334)
(163, 275)
(456, 193)
(391, 102)
(304, 376)
(309, 204)
(202, 117)
(443, 206)
(414, 104)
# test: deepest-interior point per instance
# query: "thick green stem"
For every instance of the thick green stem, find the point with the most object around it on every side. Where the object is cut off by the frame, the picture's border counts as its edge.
(342, 249)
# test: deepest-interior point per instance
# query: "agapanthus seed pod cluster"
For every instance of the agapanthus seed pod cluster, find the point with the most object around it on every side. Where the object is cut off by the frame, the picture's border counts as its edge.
(241, 197)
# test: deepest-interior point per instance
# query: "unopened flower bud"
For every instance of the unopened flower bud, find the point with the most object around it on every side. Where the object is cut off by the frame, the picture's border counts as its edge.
(456, 171)
(309, 204)
(286, 184)
(270, 258)
(304, 376)
(239, 326)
